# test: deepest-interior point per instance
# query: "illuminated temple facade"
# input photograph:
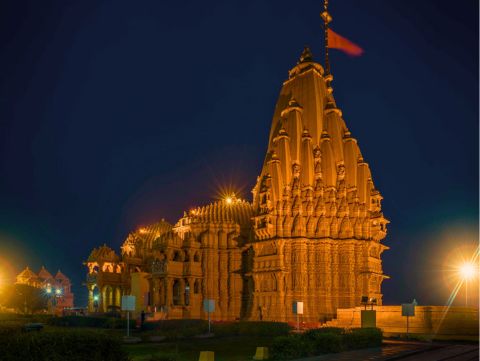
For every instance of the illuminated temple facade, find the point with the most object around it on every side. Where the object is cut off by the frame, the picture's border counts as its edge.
(311, 233)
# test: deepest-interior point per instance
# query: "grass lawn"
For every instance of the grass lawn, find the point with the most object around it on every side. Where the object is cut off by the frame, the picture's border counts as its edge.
(235, 348)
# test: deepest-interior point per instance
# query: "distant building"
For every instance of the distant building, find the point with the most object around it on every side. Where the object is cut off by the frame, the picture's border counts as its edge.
(59, 286)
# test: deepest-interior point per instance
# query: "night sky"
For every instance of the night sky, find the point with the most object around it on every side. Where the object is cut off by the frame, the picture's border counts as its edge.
(115, 114)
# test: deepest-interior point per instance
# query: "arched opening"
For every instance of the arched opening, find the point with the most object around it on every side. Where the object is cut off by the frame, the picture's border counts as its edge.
(196, 287)
(196, 257)
(177, 256)
(176, 290)
(187, 293)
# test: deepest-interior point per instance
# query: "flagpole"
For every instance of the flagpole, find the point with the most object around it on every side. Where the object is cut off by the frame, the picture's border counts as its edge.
(326, 20)
(326, 17)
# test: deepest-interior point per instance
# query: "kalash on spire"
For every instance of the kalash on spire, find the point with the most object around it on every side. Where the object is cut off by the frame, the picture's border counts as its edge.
(312, 232)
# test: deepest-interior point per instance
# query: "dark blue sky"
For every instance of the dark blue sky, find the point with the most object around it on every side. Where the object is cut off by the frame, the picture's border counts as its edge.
(117, 113)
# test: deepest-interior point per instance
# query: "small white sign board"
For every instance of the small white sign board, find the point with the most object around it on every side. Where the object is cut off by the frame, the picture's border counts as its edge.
(209, 305)
(408, 309)
(128, 303)
(298, 308)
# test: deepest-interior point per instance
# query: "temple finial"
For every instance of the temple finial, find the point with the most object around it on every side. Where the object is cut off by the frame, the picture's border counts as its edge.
(306, 55)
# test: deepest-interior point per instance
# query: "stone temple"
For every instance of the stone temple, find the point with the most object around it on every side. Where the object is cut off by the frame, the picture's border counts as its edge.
(311, 233)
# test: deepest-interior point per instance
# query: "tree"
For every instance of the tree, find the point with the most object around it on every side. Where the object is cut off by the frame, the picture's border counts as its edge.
(25, 298)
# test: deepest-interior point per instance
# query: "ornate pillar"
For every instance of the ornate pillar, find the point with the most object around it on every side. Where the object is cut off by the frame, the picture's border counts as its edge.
(90, 300)
(169, 292)
(181, 301)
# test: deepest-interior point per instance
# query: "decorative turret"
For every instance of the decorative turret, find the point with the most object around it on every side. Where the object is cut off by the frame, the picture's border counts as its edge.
(27, 276)
(44, 275)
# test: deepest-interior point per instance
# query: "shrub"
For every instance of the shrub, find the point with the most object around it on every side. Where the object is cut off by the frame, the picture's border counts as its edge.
(88, 321)
(166, 357)
(226, 329)
(11, 327)
(173, 329)
(324, 340)
(362, 338)
(61, 346)
(261, 328)
(317, 343)
(315, 331)
(288, 347)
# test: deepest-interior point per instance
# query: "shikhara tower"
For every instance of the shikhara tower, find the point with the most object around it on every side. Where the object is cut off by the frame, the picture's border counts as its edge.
(312, 233)
(318, 221)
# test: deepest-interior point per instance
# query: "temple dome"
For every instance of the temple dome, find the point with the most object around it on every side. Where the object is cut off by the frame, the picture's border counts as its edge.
(103, 253)
(151, 232)
(230, 209)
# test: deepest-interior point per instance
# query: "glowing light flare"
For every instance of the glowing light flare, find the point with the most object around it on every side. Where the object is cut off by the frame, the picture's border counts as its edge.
(467, 271)
(58, 291)
(231, 199)
(142, 230)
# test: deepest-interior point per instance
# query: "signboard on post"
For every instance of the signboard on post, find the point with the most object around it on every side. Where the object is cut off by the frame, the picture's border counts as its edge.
(408, 309)
(368, 318)
(298, 308)
(209, 305)
(128, 303)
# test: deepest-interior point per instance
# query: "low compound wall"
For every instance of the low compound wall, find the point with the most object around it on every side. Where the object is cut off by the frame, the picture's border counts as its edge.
(440, 322)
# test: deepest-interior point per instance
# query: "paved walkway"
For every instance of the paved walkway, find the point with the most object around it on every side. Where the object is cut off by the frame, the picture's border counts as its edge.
(446, 352)
(405, 351)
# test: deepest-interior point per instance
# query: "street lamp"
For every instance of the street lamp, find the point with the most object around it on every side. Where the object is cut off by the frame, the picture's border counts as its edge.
(467, 272)
(95, 302)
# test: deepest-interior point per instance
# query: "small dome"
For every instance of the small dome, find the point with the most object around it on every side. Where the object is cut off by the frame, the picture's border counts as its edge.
(61, 276)
(103, 253)
(44, 274)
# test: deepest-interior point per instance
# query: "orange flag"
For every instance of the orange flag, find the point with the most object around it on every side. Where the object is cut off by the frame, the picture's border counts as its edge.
(336, 41)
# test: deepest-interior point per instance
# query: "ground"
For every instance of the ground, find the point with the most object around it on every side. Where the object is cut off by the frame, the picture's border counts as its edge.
(243, 348)
(238, 348)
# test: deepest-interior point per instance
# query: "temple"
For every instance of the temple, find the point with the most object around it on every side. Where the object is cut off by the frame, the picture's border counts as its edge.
(58, 286)
(311, 233)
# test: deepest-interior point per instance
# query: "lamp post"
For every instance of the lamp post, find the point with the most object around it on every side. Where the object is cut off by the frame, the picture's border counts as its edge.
(52, 296)
(467, 272)
(95, 303)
